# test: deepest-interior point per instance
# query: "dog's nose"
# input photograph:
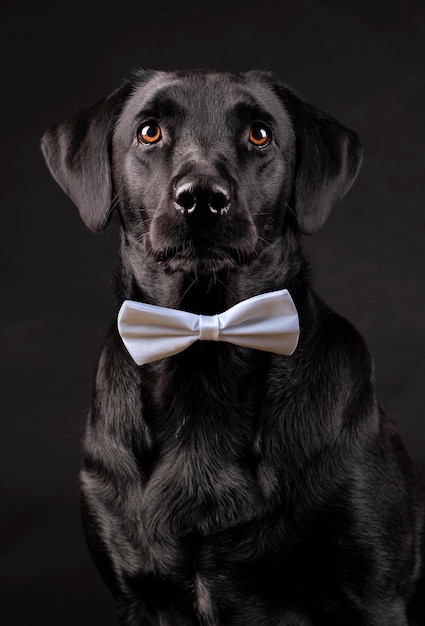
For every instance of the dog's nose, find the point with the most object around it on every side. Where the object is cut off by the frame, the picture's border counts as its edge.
(202, 193)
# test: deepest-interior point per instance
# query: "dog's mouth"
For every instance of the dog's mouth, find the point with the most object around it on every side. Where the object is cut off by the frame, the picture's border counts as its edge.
(195, 244)
(189, 257)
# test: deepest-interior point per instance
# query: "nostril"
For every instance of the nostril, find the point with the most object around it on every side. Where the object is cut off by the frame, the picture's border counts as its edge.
(185, 199)
(219, 201)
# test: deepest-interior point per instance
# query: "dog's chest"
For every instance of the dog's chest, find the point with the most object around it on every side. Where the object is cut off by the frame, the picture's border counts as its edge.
(203, 431)
(200, 484)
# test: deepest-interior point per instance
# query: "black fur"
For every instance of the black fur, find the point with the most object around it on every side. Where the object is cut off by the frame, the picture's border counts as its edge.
(223, 485)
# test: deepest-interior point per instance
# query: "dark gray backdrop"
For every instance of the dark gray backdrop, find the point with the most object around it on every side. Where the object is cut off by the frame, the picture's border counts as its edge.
(361, 61)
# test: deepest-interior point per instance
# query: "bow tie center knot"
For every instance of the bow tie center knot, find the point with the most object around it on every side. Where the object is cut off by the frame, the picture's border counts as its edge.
(209, 328)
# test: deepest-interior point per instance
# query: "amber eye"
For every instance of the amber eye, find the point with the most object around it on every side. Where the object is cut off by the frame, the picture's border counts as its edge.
(259, 135)
(149, 133)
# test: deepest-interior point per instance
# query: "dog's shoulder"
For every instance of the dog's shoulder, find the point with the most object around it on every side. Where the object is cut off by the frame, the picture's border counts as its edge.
(327, 386)
(331, 345)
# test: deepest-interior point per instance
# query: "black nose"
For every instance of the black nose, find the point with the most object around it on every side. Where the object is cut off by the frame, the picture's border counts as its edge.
(202, 193)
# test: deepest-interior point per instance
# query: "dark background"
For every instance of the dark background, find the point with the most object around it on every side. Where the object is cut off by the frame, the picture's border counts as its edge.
(361, 61)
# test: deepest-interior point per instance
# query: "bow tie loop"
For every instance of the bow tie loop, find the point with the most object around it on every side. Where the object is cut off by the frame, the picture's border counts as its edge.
(266, 322)
(209, 328)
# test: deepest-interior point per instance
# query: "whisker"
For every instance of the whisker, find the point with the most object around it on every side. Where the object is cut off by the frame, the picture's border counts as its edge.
(143, 236)
(114, 202)
(291, 211)
(264, 241)
(188, 289)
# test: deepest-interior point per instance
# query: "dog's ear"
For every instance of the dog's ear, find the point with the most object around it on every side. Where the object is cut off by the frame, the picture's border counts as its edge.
(328, 158)
(77, 152)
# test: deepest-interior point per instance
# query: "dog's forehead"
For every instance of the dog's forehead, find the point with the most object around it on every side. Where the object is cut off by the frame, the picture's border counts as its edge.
(206, 96)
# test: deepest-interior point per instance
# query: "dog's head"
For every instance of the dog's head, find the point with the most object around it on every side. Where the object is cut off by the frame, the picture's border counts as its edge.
(205, 168)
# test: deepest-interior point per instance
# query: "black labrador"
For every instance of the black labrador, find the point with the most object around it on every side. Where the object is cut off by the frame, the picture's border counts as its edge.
(226, 485)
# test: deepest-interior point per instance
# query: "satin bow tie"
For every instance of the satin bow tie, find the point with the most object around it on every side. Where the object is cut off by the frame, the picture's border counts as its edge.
(266, 322)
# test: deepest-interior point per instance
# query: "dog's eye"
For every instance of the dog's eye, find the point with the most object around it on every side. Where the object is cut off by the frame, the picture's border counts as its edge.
(149, 133)
(259, 135)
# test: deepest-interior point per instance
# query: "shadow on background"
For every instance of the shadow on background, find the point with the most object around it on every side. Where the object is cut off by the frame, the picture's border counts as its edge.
(360, 63)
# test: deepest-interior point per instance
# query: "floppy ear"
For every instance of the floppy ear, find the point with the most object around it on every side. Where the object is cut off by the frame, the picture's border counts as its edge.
(328, 158)
(77, 154)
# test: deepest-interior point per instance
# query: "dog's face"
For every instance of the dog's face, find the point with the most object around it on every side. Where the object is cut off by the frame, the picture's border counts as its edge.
(201, 161)
(206, 168)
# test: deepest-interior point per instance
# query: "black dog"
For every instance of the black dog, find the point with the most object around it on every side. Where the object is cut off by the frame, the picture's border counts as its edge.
(226, 485)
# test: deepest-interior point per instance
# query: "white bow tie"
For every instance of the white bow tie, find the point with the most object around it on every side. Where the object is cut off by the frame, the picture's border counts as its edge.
(266, 322)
